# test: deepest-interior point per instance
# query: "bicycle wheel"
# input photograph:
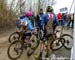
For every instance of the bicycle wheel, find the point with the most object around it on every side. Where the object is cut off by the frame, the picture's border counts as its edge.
(56, 44)
(34, 45)
(68, 41)
(15, 50)
(14, 36)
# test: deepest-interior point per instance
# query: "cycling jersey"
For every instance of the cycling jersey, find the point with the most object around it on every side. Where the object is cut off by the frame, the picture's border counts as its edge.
(45, 18)
(29, 24)
(26, 21)
(17, 21)
(40, 20)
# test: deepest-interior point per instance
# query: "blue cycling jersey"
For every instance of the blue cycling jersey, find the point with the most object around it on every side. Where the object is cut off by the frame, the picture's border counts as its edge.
(25, 19)
(29, 24)
(41, 20)
(17, 21)
(45, 19)
(21, 17)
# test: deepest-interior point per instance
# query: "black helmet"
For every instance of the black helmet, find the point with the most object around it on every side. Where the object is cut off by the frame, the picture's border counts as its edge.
(41, 11)
(49, 9)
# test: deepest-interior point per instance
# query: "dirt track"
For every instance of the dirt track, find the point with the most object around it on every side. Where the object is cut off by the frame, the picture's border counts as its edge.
(4, 45)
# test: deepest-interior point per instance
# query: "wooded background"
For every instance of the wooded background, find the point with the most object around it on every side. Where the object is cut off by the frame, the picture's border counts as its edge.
(11, 9)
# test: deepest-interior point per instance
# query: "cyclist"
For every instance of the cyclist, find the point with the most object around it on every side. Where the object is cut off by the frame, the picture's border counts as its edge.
(26, 24)
(71, 19)
(39, 18)
(59, 16)
(24, 20)
(40, 23)
(50, 22)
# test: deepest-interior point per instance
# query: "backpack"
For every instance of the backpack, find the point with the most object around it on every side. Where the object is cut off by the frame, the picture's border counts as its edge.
(49, 26)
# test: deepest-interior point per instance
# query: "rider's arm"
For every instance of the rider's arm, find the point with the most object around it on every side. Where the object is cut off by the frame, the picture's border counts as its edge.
(30, 26)
(17, 22)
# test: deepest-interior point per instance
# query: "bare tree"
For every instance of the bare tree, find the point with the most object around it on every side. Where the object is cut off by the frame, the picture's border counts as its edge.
(7, 16)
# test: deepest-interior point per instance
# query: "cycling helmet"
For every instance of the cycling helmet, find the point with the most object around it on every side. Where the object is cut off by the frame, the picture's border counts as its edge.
(49, 9)
(28, 14)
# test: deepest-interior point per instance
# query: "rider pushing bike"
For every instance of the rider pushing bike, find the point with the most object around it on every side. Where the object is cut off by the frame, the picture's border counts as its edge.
(49, 21)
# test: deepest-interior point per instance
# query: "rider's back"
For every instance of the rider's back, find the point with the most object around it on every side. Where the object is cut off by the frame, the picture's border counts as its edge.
(29, 24)
(49, 26)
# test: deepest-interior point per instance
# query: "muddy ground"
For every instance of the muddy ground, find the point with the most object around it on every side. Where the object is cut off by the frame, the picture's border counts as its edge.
(4, 46)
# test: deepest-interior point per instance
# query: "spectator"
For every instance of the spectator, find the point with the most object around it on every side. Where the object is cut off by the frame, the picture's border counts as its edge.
(59, 16)
(39, 18)
(71, 20)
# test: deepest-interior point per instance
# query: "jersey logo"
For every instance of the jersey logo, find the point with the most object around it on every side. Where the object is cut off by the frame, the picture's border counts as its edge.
(50, 16)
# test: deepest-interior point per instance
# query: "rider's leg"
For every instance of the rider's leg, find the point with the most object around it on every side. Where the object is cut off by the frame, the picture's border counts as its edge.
(27, 37)
(41, 49)
(49, 40)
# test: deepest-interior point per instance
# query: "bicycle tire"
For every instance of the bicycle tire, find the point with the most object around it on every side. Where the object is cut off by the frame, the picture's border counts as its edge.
(8, 51)
(66, 46)
(10, 40)
(33, 49)
(51, 45)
